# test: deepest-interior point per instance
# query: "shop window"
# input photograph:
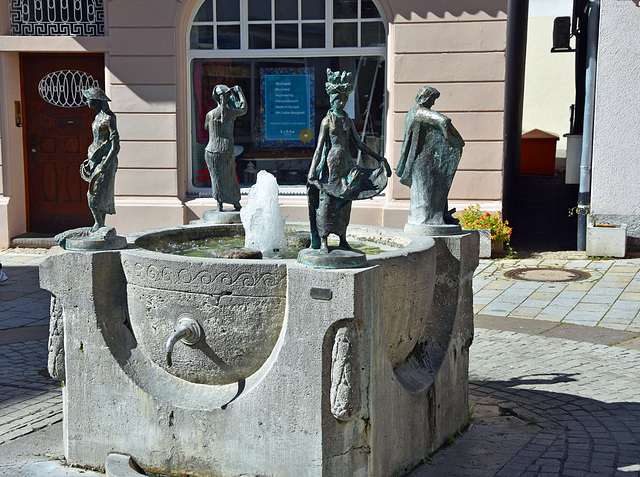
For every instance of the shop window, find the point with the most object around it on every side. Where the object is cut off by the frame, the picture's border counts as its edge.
(56, 17)
(278, 52)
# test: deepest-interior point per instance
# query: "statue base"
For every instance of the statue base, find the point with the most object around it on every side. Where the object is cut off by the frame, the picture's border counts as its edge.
(334, 258)
(87, 239)
(219, 217)
(432, 229)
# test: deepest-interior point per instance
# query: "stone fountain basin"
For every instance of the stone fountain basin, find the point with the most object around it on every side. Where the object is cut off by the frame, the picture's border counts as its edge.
(301, 371)
(241, 304)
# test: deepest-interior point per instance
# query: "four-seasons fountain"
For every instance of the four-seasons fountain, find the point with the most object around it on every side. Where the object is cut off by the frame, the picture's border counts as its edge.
(182, 365)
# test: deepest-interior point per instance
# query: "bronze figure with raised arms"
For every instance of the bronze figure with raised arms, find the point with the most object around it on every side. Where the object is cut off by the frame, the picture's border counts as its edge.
(219, 153)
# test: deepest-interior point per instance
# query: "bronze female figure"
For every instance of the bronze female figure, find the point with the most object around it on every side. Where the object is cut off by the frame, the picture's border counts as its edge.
(99, 169)
(219, 153)
(429, 158)
(334, 180)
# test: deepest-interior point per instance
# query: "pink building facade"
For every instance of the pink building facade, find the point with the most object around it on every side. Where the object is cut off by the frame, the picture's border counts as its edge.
(157, 61)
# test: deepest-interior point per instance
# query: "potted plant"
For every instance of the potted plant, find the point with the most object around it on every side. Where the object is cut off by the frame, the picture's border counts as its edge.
(472, 218)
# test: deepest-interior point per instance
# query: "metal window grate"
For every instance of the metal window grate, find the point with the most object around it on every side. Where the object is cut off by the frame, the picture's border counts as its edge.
(56, 17)
(64, 88)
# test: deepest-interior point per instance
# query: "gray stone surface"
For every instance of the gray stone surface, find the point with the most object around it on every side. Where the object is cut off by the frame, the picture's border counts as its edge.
(485, 242)
(120, 465)
(607, 240)
(239, 305)
(590, 334)
(29, 399)
(220, 217)
(332, 257)
(309, 403)
(518, 325)
(495, 438)
(610, 298)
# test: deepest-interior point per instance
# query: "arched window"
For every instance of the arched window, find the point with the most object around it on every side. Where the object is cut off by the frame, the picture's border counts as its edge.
(278, 52)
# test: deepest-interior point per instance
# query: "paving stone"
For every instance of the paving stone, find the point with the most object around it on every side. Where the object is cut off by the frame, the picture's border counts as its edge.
(512, 324)
(591, 334)
(525, 311)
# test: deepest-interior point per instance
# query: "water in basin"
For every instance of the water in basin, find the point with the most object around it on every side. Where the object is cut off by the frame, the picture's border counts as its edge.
(213, 246)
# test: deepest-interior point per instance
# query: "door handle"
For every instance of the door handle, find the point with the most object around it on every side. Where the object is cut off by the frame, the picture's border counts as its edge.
(33, 144)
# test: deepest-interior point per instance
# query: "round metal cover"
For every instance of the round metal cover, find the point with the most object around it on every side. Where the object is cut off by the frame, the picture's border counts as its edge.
(547, 274)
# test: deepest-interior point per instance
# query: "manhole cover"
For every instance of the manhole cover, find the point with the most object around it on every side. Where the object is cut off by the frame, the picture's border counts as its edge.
(547, 274)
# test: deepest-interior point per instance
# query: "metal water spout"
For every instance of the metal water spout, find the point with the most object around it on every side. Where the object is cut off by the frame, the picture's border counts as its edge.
(187, 330)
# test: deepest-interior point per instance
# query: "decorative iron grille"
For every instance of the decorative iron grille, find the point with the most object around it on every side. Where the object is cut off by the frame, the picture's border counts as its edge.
(64, 88)
(56, 17)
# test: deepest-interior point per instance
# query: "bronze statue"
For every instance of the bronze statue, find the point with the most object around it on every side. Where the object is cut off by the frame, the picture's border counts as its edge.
(99, 169)
(429, 158)
(219, 153)
(334, 180)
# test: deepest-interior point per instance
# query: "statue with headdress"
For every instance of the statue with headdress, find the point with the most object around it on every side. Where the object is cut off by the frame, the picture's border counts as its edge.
(219, 153)
(334, 179)
(429, 158)
(99, 170)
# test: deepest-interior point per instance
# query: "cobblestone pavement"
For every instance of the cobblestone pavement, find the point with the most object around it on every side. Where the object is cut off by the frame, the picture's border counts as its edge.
(548, 400)
(560, 407)
(29, 399)
(610, 298)
(22, 302)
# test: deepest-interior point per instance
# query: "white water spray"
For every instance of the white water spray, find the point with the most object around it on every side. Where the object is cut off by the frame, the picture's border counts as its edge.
(261, 217)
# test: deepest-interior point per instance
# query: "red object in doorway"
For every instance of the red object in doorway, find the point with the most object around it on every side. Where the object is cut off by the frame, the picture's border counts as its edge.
(538, 153)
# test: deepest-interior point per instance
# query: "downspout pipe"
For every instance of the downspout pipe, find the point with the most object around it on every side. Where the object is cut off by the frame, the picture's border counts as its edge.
(517, 22)
(584, 194)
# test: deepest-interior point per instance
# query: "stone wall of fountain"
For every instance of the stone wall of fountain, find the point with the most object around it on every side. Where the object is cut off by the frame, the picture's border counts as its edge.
(300, 371)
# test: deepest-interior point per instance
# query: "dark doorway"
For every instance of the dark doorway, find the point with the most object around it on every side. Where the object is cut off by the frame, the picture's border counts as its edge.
(542, 217)
(57, 135)
(540, 206)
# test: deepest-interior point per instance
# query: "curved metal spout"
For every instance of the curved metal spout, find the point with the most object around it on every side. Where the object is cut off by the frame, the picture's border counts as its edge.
(187, 330)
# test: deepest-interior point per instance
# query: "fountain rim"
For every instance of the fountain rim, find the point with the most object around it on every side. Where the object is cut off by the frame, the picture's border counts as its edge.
(408, 243)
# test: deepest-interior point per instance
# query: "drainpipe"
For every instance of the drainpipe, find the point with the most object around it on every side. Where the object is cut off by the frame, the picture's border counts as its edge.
(584, 194)
(517, 18)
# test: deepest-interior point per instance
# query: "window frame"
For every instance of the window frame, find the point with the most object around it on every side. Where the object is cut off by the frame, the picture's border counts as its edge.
(245, 53)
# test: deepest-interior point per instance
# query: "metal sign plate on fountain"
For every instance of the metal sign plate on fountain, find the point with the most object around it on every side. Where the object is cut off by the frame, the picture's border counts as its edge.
(224, 217)
(335, 258)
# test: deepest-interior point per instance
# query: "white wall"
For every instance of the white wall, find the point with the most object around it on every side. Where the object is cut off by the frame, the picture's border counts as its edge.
(616, 152)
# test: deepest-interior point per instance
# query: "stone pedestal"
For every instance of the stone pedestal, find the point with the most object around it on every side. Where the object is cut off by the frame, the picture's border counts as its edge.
(358, 372)
(214, 217)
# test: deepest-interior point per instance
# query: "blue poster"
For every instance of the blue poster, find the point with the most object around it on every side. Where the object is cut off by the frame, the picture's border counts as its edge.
(287, 107)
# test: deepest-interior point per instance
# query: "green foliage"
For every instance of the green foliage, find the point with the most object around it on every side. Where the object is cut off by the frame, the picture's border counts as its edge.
(511, 253)
(471, 411)
(474, 218)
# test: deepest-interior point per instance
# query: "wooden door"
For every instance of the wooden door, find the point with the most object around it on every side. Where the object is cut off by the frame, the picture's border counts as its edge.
(57, 135)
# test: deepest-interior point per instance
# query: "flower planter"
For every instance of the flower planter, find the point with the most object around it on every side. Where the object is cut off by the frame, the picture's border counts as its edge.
(497, 247)
(485, 242)
(606, 240)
